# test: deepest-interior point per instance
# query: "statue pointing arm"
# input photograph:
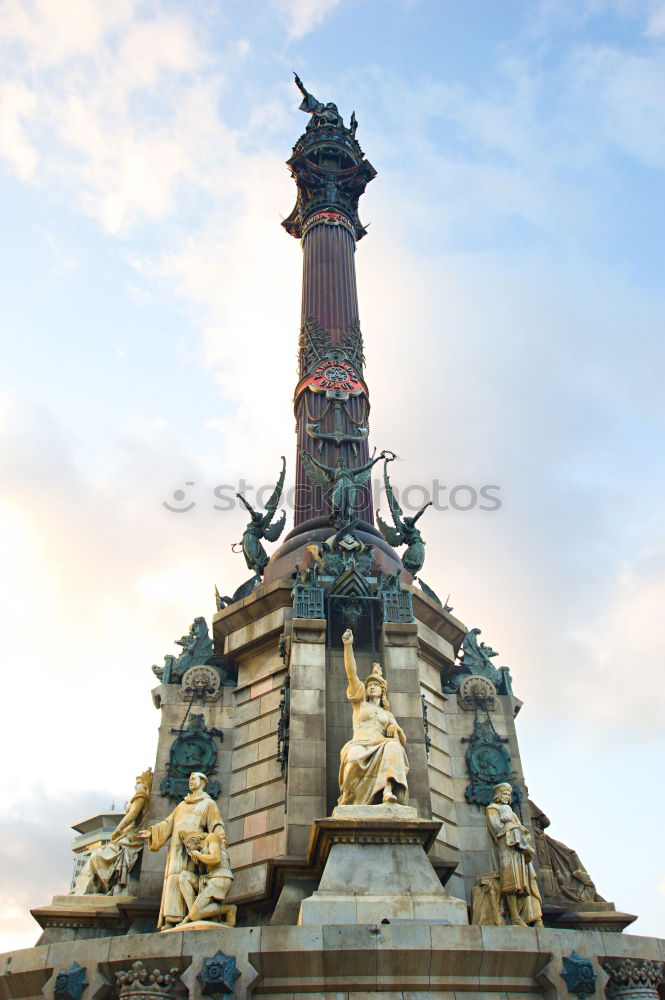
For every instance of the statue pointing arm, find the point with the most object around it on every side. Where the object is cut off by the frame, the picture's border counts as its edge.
(356, 689)
(369, 465)
(325, 114)
(309, 102)
(373, 764)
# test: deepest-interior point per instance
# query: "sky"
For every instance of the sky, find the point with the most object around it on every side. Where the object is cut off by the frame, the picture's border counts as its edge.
(512, 307)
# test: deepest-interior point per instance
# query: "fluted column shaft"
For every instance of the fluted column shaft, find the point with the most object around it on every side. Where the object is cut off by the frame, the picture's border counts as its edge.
(330, 298)
(329, 291)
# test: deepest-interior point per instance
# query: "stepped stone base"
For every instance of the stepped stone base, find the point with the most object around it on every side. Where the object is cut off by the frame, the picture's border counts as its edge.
(91, 914)
(376, 870)
(424, 960)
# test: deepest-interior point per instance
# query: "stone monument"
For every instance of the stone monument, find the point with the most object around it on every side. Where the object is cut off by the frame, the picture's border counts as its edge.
(376, 867)
(361, 833)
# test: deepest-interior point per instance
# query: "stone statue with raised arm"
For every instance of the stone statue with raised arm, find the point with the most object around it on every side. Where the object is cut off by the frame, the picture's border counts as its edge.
(373, 764)
(341, 482)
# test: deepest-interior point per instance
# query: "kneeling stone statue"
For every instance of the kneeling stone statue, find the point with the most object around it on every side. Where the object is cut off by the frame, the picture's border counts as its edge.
(204, 894)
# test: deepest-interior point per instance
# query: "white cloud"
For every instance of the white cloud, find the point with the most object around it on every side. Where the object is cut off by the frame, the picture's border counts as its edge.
(302, 16)
(620, 90)
(125, 107)
(34, 852)
(105, 570)
(49, 32)
(626, 640)
(18, 106)
(656, 23)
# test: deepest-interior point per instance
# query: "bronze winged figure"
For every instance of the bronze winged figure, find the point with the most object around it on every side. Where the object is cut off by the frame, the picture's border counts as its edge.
(341, 484)
(405, 531)
(260, 527)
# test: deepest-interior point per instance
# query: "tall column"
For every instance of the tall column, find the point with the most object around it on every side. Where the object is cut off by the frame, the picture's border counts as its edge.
(331, 398)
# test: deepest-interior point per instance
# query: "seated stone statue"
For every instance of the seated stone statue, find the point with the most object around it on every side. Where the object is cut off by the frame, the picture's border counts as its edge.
(564, 877)
(373, 765)
(108, 868)
(210, 852)
(512, 853)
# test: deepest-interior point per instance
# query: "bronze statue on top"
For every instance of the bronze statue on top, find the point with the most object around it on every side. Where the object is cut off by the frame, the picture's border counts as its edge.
(322, 114)
(330, 170)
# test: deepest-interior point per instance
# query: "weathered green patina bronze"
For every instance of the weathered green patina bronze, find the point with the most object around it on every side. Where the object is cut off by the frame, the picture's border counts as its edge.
(428, 592)
(193, 749)
(405, 531)
(260, 527)
(322, 114)
(337, 435)
(476, 659)
(397, 602)
(343, 551)
(244, 590)
(196, 648)
(488, 761)
(308, 594)
(341, 483)
(328, 166)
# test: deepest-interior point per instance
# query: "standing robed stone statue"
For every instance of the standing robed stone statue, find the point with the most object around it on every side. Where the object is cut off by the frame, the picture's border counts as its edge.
(197, 813)
(373, 764)
(514, 883)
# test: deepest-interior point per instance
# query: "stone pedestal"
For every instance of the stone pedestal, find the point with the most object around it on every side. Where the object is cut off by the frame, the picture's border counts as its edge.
(92, 914)
(376, 869)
